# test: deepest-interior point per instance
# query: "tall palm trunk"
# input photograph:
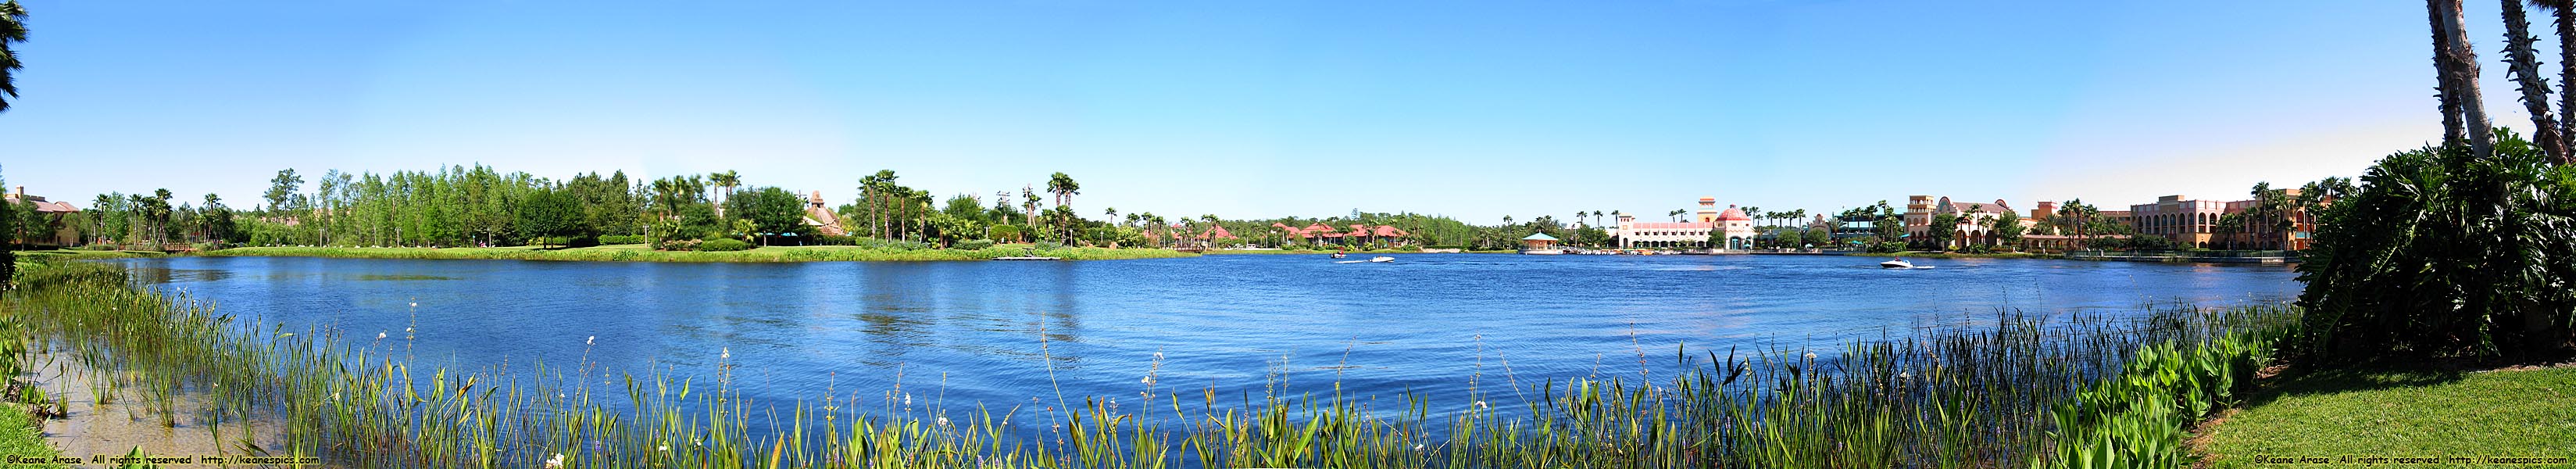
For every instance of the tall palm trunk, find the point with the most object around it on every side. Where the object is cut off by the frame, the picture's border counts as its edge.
(2452, 133)
(2524, 65)
(2460, 76)
(2564, 14)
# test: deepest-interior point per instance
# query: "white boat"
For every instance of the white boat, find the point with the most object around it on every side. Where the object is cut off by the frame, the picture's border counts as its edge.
(1340, 255)
(1348, 262)
(1382, 259)
(1896, 264)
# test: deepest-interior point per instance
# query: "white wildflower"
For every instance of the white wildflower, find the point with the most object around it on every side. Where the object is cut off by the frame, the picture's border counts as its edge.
(1480, 404)
(1417, 446)
(1149, 381)
(943, 421)
(728, 354)
(416, 304)
(592, 340)
(1905, 375)
(907, 398)
(666, 447)
(1811, 355)
(1158, 355)
(556, 462)
(380, 335)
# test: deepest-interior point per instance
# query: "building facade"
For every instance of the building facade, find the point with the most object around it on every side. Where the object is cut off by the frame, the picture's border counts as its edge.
(2189, 223)
(1733, 229)
(63, 234)
(1973, 227)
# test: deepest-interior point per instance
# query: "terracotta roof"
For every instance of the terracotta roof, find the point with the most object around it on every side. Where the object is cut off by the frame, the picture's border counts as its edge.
(1217, 233)
(1385, 230)
(1319, 228)
(1733, 213)
(1667, 226)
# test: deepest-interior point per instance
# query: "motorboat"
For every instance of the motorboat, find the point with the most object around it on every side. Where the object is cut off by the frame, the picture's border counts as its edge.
(1340, 255)
(1898, 263)
(1382, 259)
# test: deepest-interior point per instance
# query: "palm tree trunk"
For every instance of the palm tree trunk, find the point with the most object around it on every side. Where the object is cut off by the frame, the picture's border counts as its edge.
(2461, 76)
(2452, 133)
(2565, 16)
(2525, 68)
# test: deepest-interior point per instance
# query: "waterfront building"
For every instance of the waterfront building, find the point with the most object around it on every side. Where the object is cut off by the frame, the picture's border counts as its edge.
(52, 213)
(2188, 222)
(822, 218)
(1971, 228)
(1319, 233)
(1732, 227)
(1539, 243)
(2267, 234)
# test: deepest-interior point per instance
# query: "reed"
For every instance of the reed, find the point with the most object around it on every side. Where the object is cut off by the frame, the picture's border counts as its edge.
(2010, 390)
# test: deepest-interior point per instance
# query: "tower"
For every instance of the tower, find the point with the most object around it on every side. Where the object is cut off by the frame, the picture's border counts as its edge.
(1707, 210)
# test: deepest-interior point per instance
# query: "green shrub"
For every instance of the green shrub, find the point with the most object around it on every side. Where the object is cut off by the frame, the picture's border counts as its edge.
(724, 244)
(678, 245)
(835, 240)
(2442, 253)
(973, 244)
(1049, 245)
(624, 239)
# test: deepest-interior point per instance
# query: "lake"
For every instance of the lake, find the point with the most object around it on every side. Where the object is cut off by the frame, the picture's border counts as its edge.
(959, 333)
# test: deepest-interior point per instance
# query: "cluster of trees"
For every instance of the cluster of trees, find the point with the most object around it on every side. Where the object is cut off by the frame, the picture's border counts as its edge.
(2462, 249)
(148, 221)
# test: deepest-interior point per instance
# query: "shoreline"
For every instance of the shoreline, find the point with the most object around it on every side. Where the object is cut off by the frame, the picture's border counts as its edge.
(640, 253)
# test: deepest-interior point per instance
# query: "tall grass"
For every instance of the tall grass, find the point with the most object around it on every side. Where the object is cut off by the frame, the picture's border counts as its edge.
(2015, 390)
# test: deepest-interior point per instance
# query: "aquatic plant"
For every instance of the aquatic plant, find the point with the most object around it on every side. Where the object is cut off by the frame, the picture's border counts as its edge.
(2013, 389)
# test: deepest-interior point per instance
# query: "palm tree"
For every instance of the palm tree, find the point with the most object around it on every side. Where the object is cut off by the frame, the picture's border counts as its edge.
(13, 28)
(2564, 13)
(1063, 187)
(2456, 61)
(2521, 62)
(727, 180)
(1112, 213)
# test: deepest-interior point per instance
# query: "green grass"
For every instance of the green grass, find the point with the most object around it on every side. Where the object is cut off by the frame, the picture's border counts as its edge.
(642, 253)
(2404, 413)
(20, 437)
(86, 254)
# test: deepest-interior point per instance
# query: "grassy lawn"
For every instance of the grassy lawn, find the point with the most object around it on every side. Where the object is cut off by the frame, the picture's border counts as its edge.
(2401, 413)
(638, 252)
(20, 437)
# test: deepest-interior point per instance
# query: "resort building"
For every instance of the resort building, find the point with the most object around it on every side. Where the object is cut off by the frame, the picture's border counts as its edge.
(1359, 234)
(1733, 229)
(1539, 243)
(821, 218)
(1971, 229)
(2268, 233)
(52, 212)
(2187, 222)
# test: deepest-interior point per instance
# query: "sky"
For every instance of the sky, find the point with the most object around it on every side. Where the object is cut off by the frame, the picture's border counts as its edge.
(1474, 110)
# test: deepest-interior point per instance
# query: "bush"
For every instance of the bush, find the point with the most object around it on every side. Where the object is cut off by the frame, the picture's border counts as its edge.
(623, 239)
(99, 247)
(835, 240)
(2442, 253)
(726, 244)
(973, 244)
(1049, 245)
(678, 245)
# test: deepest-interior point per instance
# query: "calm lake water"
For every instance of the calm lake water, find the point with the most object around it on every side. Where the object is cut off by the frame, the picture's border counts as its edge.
(959, 333)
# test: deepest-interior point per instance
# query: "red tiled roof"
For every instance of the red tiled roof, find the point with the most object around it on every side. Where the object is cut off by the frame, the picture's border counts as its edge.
(1319, 227)
(1217, 233)
(1733, 213)
(1668, 226)
(1386, 230)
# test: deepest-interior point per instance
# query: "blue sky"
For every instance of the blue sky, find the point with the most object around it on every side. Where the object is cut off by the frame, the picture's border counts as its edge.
(1247, 109)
